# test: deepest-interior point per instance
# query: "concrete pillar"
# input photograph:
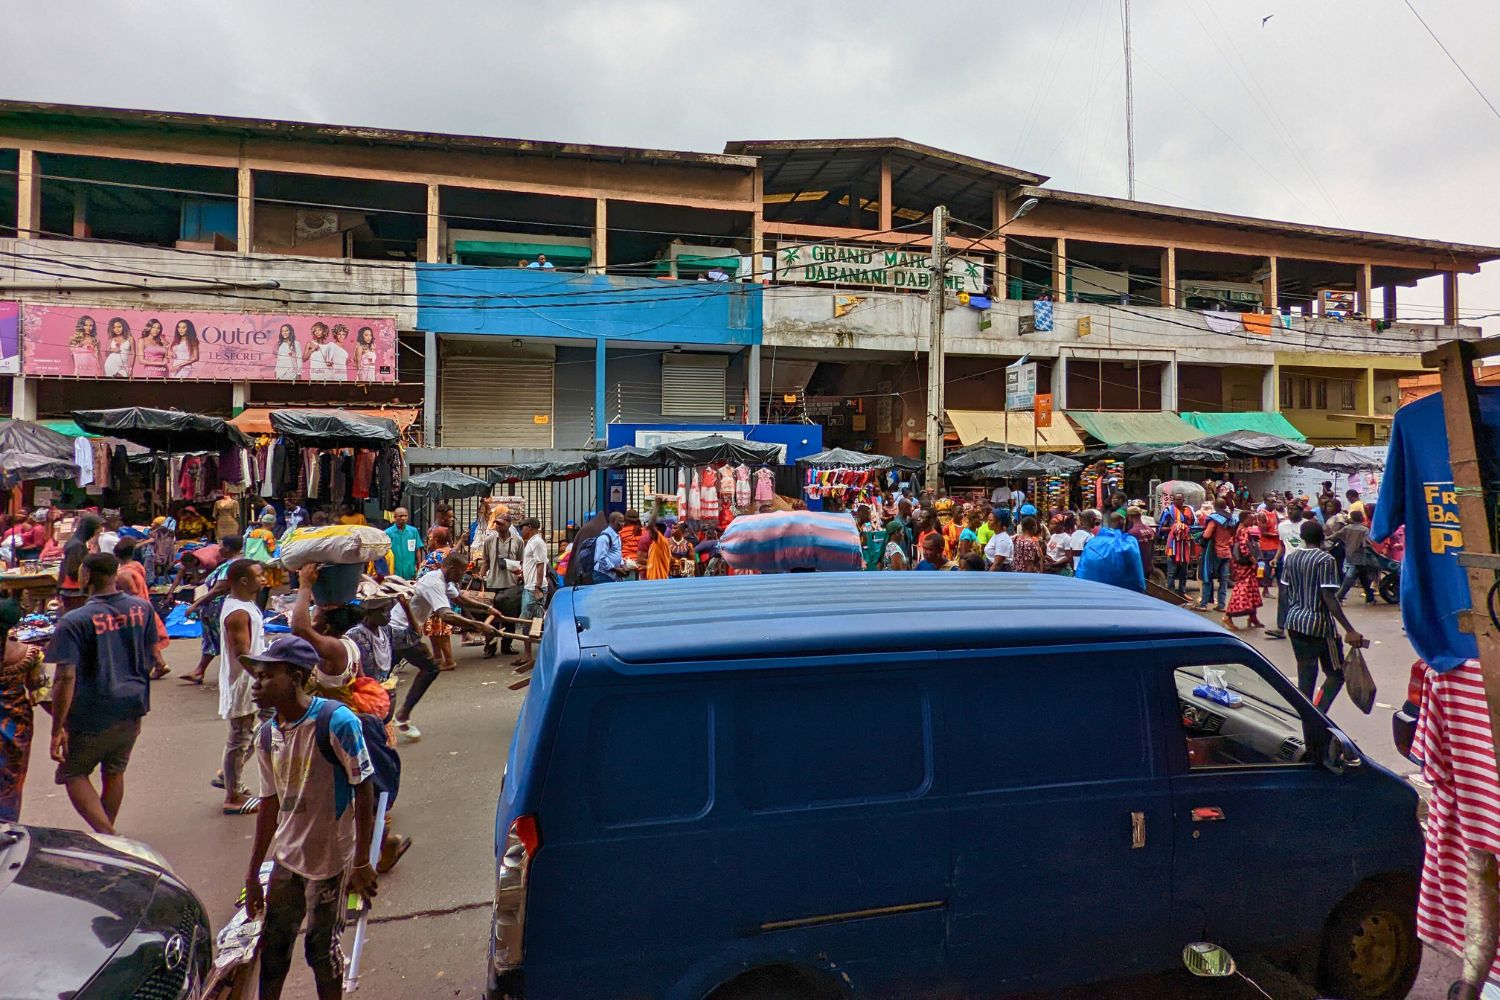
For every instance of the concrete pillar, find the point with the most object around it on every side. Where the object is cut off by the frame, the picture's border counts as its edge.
(244, 212)
(81, 214)
(434, 228)
(1450, 298)
(29, 195)
(599, 247)
(1388, 313)
(1060, 383)
(1000, 267)
(1270, 389)
(23, 397)
(601, 349)
(1169, 277)
(1060, 270)
(759, 271)
(1369, 400)
(1168, 385)
(430, 389)
(1268, 296)
(239, 397)
(752, 385)
(1362, 301)
(886, 208)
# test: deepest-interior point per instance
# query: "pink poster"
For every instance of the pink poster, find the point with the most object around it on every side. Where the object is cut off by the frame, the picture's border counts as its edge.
(103, 342)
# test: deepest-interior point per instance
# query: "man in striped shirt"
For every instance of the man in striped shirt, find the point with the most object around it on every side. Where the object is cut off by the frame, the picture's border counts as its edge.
(1311, 581)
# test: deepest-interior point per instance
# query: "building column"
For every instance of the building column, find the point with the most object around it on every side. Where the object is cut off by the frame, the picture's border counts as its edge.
(1169, 277)
(29, 195)
(1369, 400)
(1388, 293)
(601, 349)
(1450, 298)
(239, 397)
(434, 253)
(1268, 297)
(1060, 270)
(23, 397)
(1060, 383)
(244, 213)
(752, 385)
(1000, 267)
(1362, 301)
(1168, 385)
(430, 389)
(599, 246)
(1270, 388)
(81, 214)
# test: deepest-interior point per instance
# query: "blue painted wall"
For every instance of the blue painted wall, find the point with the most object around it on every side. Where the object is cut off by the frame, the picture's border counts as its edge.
(516, 302)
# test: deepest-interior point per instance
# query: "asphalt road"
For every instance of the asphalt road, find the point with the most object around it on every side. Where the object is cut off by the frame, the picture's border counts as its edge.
(431, 916)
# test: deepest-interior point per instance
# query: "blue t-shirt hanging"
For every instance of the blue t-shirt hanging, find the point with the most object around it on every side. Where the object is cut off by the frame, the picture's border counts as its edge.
(1418, 492)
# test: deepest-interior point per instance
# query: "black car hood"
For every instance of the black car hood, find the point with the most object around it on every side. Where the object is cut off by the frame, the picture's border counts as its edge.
(66, 909)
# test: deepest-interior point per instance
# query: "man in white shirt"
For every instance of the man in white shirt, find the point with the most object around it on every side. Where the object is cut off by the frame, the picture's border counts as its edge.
(242, 634)
(1088, 523)
(533, 580)
(110, 536)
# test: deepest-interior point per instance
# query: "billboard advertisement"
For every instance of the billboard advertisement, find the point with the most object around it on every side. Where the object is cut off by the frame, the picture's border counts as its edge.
(168, 344)
(10, 342)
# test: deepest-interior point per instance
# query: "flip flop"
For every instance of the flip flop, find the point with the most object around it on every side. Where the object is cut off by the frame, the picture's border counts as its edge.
(160, 672)
(249, 807)
(190, 679)
(218, 780)
(382, 866)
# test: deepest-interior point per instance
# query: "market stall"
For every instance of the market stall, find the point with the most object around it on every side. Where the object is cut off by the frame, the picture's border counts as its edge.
(333, 456)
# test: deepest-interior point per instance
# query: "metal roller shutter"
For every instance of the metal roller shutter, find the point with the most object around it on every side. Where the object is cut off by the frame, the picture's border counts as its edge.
(492, 401)
(694, 385)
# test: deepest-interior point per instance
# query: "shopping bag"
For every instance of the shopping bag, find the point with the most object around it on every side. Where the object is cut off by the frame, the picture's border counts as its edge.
(1357, 680)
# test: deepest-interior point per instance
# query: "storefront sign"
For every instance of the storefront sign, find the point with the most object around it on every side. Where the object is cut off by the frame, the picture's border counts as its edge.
(100, 342)
(1041, 411)
(1020, 386)
(10, 344)
(851, 264)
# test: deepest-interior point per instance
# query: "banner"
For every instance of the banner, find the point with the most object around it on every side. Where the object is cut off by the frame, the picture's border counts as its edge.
(853, 264)
(1020, 385)
(102, 342)
(10, 343)
(1041, 412)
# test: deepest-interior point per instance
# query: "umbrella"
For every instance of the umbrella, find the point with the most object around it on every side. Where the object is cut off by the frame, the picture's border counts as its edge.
(792, 540)
(1339, 460)
(843, 458)
(445, 484)
(163, 430)
(1182, 454)
(1254, 444)
(19, 466)
(1059, 465)
(1017, 466)
(34, 439)
(964, 462)
(715, 448)
(334, 428)
(907, 464)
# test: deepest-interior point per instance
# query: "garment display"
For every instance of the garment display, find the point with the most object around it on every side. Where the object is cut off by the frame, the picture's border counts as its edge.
(852, 486)
(83, 457)
(765, 485)
(742, 486)
(364, 473)
(708, 495)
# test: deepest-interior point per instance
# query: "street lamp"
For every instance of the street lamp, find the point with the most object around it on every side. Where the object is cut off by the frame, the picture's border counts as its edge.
(1022, 209)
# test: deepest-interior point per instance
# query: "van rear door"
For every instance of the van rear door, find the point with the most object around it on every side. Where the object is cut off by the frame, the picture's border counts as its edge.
(1061, 820)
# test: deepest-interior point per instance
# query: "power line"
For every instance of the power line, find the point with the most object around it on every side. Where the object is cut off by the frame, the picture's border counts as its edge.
(1488, 103)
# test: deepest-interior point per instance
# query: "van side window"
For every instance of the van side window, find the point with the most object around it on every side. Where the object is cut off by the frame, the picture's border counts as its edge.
(865, 739)
(1025, 725)
(1233, 717)
(650, 758)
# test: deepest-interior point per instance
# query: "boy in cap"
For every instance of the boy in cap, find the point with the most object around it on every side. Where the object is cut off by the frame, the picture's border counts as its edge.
(316, 821)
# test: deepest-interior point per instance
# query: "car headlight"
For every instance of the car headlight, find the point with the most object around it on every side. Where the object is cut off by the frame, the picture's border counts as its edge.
(135, 849)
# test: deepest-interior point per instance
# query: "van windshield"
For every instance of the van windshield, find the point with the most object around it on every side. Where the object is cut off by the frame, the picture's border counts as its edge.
(1232, 716)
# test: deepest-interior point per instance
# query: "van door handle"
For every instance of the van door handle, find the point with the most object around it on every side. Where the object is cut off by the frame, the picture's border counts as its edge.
(1208, 814)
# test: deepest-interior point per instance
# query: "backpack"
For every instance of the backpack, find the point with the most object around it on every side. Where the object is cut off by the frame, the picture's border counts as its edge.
(383, 756)
(583, 559)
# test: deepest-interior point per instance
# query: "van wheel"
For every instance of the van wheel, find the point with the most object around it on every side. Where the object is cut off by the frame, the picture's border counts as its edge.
(1370, 949)
(1390, 588)
(774, 983)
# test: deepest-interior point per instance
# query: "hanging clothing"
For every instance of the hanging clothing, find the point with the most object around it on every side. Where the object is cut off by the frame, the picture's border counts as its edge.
(310, 483)
(742, 486)
(765, 485)
(83, 457)
(708, 498)
(1222, 322)
(100, 452)
(1041, 316)
(364, 474)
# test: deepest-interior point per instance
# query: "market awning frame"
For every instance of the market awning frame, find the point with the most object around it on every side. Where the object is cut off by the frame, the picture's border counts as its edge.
(974, 426)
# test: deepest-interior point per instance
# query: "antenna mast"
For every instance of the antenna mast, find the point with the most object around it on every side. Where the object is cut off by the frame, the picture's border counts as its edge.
(1129, 104)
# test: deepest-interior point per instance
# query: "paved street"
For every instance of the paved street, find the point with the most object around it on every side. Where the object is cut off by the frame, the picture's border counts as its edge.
(433, 909)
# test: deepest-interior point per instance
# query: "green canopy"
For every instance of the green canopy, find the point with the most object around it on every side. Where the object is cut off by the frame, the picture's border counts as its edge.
(1259, 421)
(1153, 428)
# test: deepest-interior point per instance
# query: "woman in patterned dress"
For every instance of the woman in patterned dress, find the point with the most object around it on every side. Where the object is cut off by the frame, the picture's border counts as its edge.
(1244, 566)
(1027, 554)
(23, 685)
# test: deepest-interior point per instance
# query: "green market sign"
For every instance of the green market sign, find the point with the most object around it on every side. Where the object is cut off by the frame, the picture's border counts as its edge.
(851, 264)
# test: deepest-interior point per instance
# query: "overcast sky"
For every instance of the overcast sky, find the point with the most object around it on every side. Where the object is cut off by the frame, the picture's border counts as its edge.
(1340, 112)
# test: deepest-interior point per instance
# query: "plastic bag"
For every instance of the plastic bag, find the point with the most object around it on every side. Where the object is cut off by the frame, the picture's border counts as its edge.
(339, 544)
(1215, 689)
(1357, 680)
(1112, 557)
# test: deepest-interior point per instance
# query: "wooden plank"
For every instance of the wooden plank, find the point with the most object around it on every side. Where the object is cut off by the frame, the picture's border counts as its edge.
(1474, 349)
(1479, 560)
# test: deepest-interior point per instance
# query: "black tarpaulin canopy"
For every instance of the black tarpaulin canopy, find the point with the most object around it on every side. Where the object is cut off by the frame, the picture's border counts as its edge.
(445, 484)
(907, 464)
(163, 430)
(964, 461)
(22, 466)
(625, 457)
(1339, 460)
(1017, 466)
(1191, 453)
(334, 429)
(518, 472)
(1254, 444)
(1058, 465)
(714, 448)
(843, 458)
(25, 437)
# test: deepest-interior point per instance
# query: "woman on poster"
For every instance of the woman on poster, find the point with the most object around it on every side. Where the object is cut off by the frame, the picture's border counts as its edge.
(84, 347)
(184, 350)
(121, 357)
(287, 364)
(153, 350)
(316, 353)
(368, 357)
(338, 354)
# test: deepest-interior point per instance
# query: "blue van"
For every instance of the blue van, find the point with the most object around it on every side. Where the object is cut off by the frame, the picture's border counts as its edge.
(927, 784)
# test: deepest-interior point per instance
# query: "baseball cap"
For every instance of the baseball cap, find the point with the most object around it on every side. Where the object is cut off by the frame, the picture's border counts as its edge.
(288, 649)
(1028, 510)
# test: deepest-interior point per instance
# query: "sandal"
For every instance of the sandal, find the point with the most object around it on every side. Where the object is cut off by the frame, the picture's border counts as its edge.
(1229, 623)
(246, 808)
(387, 862)
(157, 673)
(192, 679)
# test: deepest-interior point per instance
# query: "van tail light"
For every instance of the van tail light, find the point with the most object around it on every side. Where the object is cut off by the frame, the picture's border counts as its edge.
(512, 871)
(1414, 683)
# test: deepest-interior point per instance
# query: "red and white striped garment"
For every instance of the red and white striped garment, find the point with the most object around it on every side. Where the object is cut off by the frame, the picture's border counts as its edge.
(1454, 741)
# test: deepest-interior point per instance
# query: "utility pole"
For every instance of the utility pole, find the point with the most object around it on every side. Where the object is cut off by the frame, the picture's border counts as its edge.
(936, 294)
(1129, 105)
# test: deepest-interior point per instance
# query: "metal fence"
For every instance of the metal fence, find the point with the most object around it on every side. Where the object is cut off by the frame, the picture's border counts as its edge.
(553, 503)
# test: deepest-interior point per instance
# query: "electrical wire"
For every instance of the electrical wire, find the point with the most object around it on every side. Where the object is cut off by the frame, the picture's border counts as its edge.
(1451, 58)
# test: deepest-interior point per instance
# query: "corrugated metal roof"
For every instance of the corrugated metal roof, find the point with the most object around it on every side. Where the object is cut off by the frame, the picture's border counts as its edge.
(1153, 428)
(1260, 421)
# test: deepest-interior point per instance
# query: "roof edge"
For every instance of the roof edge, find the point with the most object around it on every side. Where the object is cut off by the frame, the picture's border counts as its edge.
(754, 147)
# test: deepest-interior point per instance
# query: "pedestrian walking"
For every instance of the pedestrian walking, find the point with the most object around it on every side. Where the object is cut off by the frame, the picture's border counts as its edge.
(1218, 543)
(609, 559)
(407, 551)
(1244, 573)
(1360, 562)
(102, 655)
(316, 822)
(23, 686)
(1177, 522)
(242, 632)
(1311, 579)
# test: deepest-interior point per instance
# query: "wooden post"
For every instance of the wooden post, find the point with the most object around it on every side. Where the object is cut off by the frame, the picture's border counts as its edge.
(886, 208)
(81, 214)
(1269, 299)
(599, 248)
(1389, 305)
(1362, 303)
(1001, 267)
(434, 227)
(29, 195)
(760, 273)
(1450, 298)
(244, 212)
(1169, 277)
(1060, 270)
